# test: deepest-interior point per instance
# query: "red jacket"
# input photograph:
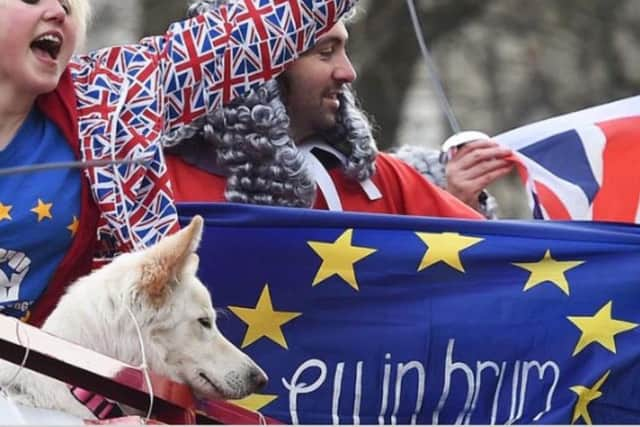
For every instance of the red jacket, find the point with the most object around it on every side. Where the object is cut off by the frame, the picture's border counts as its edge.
(59, 106)
(404, 191)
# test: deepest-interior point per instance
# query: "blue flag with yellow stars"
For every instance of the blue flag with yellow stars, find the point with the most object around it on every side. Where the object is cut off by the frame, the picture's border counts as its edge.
(368, 319)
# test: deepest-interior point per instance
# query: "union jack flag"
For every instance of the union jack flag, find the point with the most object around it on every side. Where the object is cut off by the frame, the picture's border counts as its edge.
(583, 165)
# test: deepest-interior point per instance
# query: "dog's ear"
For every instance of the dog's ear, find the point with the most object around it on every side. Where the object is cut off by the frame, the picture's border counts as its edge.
(164, 261)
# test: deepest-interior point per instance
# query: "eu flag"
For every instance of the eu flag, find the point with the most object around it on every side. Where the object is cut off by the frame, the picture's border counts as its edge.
(367, 319)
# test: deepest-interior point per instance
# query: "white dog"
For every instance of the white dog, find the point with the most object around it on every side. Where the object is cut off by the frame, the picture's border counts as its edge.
(173, 309)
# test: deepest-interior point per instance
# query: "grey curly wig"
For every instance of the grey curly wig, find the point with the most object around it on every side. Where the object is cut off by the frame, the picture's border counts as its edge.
(248, 141)
(201, 6)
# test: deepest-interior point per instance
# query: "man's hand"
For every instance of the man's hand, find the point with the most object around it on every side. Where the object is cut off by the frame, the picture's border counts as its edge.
(473, 167)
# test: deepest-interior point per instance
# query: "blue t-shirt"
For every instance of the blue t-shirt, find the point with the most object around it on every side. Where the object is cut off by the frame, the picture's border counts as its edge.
(39, 213)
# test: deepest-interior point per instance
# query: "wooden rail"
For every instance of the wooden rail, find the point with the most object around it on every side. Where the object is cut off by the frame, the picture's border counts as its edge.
(73, 364)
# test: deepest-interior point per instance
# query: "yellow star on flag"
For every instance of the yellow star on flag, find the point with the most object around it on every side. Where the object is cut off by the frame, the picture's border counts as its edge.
(445, 247)
(338, 258)
(548, 270)
(73, 227)
(43, 210)
(5, 212)
(255, 402)
(600, 328)
(263, 320)
(585, 396)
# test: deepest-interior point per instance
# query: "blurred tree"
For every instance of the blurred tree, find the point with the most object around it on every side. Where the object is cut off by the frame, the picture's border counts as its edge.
(541, 59)
(385, 52)
(159, 13)
(520, 62)
(115, 22)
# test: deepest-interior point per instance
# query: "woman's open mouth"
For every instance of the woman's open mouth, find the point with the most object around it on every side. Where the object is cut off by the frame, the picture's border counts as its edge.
(47, 46)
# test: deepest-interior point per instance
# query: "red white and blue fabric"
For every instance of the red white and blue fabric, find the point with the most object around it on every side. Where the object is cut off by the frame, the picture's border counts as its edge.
(583, 165)
(130, 96)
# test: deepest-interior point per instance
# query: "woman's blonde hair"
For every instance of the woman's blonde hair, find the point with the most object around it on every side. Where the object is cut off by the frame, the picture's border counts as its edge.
(81, 14)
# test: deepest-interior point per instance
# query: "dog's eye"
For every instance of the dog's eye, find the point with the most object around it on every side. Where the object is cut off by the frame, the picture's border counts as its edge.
(205, 321)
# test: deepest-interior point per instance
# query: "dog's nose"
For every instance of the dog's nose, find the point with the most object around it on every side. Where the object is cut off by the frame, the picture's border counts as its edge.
(258, 378)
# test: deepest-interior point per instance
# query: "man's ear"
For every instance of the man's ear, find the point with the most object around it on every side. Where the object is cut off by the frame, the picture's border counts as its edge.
(164, 261)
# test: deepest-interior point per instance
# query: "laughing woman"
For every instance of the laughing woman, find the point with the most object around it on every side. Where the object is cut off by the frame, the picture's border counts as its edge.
(116, 104)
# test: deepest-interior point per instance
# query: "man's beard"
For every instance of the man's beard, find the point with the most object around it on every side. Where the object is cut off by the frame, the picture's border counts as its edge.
(325, 120)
